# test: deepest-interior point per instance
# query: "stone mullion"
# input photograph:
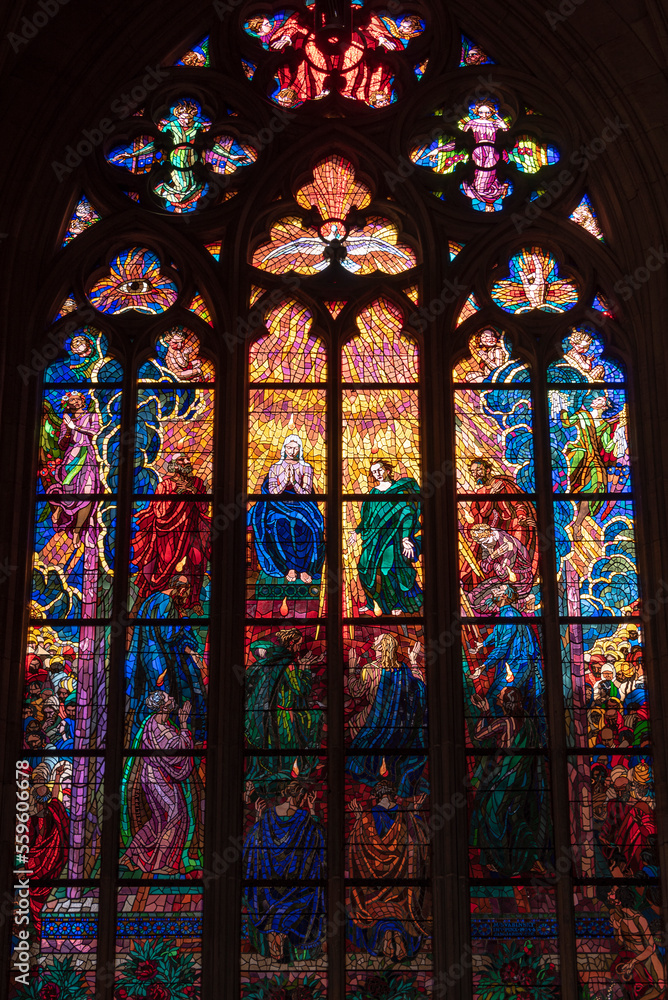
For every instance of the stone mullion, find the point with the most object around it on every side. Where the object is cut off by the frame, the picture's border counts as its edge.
(558, 761)
(110, 839)
(336, 929)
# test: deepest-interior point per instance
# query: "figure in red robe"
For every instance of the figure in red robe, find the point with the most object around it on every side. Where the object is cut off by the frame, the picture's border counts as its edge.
(320, 67)
(516, 517)
(504, 560)
(49, 834)
(628, 826)
(173, 536)
(389, 844)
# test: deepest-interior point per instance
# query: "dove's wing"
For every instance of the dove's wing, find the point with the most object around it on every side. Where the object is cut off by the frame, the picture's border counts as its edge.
(304, 254)
(292, 247)
(376, 254)
(305, 245)
(358, 246)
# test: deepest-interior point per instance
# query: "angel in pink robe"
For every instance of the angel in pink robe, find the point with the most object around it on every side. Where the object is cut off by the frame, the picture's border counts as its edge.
(157, 819)
(486, 187)
(78, 472)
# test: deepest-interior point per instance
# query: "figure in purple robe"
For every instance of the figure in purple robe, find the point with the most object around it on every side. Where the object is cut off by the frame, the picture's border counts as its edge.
(158, 818)
(75, 482)
(504, 560)
(78, 473)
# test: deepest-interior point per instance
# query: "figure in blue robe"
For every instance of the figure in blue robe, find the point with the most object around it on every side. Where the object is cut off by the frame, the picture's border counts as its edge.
(86, 361)
(513, 646)
(164, 657)
(287, 844)
(289, 533)
(395, 718)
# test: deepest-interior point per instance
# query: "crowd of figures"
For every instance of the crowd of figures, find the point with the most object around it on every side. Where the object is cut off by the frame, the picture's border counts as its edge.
(386, 794)
(49, 706)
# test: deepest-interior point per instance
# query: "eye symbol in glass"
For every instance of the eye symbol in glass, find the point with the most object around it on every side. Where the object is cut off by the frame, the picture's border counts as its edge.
(134, 281)
(137, 287)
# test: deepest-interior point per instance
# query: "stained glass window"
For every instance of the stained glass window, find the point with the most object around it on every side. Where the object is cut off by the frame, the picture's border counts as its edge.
(289, 756)
(84, 216)
(387, 789)
(510, 832)
(134, 282)
(337, 197)
(612, 832)
(166, 675)
(286, 678)
(610, 770)
(73, 640)
(67, 660)
(249, 763)
(534, 282)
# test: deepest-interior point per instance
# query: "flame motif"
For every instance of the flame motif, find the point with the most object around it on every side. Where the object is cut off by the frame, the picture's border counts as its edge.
(334, 190)
(383, 769)
(161, 679)
(295, 769)
(284, 607)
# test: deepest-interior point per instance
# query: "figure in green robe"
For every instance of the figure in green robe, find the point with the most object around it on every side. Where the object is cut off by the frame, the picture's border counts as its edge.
(391, 539)
(510, 822)
(279, 713)
(595, 448)
(183, 187)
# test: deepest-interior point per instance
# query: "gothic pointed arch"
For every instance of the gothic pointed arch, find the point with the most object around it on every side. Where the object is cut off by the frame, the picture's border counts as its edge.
(334, 543)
